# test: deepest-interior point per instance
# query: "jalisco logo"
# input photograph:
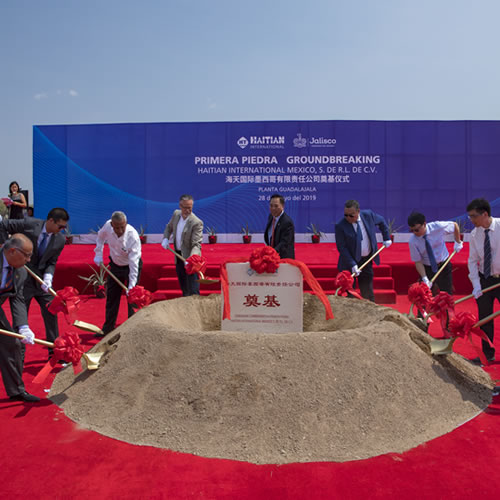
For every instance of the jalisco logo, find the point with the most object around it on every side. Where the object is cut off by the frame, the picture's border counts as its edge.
(262, 142)
(314, 142)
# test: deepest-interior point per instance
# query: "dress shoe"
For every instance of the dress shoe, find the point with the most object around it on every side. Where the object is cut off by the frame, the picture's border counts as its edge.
(99, 335)
(477, 361)
(26, 397)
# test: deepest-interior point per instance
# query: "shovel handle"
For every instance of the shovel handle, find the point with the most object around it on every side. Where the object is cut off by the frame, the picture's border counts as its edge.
(40, 280)
(369, 260)
(434, 278)
(19, 336)
(114, 277)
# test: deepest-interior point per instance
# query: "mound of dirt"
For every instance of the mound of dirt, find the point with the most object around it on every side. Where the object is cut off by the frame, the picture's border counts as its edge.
(360, 385)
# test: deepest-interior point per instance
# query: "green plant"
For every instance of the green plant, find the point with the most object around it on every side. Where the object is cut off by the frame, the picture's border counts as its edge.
(391, 224)
(211, 231)
(142, 230)
(3, 209)
(315, 230)
(96, 279)
(245, 230)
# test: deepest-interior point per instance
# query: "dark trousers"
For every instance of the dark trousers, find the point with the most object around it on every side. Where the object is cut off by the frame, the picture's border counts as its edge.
(485, 308)
(188, 282)
(444, 281)
(32, 291)
(365, 280)
(11, 360)
(114, 294)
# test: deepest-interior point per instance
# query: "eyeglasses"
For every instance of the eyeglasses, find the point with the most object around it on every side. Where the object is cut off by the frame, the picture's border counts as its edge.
(61, 226)
(351, 216)
(26, 254)
(415, 229)
(473, 216)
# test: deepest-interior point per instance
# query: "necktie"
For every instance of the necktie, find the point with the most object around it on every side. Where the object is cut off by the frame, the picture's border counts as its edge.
(430, 254)
(43, 244)
(9, 278)
(487, 254)
(359, 237)
(272, 232)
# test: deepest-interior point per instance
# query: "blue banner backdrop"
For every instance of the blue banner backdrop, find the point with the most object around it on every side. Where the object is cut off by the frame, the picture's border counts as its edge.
(232, 168)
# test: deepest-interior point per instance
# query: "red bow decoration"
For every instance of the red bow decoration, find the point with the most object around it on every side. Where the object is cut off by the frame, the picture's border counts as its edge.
(100, 292)
(69, 349)
(66, 301)
(264, 260)
(344, 284)
(462, 325)
(443, 306)
(419, 295)
(139, 297)
(196, 264)
(267, 258)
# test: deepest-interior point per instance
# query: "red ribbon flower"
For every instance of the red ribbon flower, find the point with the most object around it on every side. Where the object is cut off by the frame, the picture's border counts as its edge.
(344, 284)
(264, 260)
(66, 301)
(462, 325)
(69, 349)
(139, 297)
(420, 295)
(443, 307)
(196, 264)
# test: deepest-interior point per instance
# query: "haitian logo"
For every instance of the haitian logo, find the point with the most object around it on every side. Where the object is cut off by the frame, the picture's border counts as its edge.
(242, 142)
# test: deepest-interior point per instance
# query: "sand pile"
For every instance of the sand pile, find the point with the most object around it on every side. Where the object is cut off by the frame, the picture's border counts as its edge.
(358, 386)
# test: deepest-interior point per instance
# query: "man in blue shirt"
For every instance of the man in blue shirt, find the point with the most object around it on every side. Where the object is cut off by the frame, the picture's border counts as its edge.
(428, 249)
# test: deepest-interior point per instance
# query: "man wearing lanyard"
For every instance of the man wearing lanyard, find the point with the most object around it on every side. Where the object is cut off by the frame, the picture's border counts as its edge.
(357, 242)
(428, 249)
(124, 262)
(48, 243)
(484, 265)
(280, 231)
(187, 230)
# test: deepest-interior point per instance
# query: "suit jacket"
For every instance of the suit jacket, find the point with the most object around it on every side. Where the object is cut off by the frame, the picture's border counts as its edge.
(32, 228)
(345, 237)
(16, 299)
(284, 236)
(192, 235)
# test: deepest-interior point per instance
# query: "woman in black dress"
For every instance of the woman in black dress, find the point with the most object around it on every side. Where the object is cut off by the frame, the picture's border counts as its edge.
(16, 209)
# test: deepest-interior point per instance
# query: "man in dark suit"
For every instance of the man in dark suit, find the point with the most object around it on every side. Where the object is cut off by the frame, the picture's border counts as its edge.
(14, 254)
(280, 231)
(357, 242)
(48, 243)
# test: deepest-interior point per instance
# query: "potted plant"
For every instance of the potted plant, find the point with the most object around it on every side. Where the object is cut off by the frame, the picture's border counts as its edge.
(247, 237)
(97, 280)
(316, 233)
(142, 236)
(391, 224)
(464, 227)
(212, 234)
(69, 235)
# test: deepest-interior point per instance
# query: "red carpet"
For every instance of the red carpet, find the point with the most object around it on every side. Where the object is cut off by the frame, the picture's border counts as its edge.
(45, 455)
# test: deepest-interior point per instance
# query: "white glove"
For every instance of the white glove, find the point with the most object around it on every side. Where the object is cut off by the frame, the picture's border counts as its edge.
(47, 282)
(458, 246)
(477, 292)
(355, 270)
(165, 244)
(427, 281)
(387, 243)
(98, 260)
(29, 336)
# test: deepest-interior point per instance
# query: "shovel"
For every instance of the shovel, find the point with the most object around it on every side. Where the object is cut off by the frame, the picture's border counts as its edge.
(202, 278)
(82, 325)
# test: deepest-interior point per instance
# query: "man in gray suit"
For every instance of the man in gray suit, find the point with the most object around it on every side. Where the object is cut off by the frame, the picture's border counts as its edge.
(48, 243)
(187, 230)
(14, 254)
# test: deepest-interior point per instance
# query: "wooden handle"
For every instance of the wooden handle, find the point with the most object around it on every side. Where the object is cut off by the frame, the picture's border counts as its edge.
(369, 260)
(19, 336)
(442, 267)
(485, 320)
(40, 280)
(467, 297)
(114, 277)
(177, 255)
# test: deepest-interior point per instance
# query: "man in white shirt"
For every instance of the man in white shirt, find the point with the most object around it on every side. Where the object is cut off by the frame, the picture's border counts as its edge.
(187, 230)
(484, 265)
(124, 262)
(428, 249)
